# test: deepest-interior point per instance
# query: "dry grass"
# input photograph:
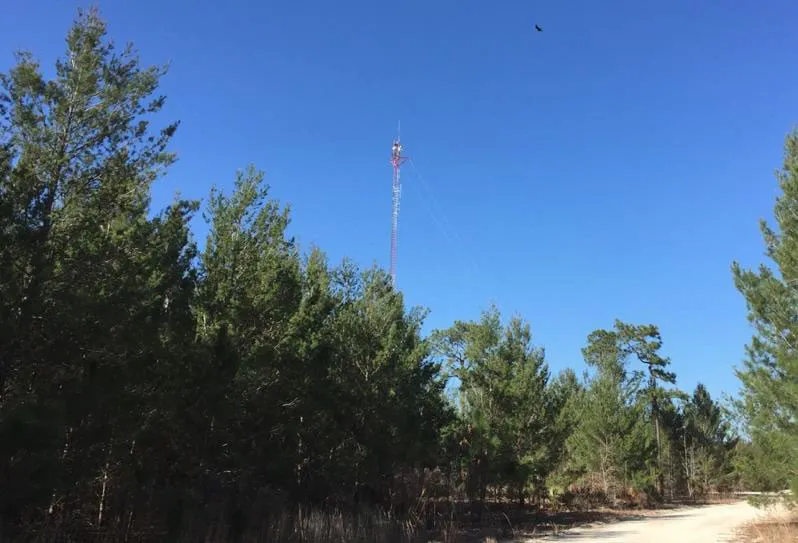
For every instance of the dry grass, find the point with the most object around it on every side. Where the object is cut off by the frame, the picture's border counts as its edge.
(430, 521)
(776, 529)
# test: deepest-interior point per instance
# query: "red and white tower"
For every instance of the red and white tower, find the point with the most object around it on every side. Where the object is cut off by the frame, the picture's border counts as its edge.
(397, 159)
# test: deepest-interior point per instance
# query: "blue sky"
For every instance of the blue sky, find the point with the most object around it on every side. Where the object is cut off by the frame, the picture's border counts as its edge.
(609, 167)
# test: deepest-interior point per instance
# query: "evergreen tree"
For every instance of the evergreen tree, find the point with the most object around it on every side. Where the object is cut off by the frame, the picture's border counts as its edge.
(611, 447)
(707, 443)
(770, 373)
(94, 293)
(507, 403)
(568, 396)
(644, 343)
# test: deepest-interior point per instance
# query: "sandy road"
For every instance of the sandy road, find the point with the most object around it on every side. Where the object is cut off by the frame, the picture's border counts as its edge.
(708, 524)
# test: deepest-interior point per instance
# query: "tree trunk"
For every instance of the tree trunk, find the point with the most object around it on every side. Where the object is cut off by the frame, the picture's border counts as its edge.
(660, 475)
(104, 486)
(604, 478)
(63, 456)
(101, 507)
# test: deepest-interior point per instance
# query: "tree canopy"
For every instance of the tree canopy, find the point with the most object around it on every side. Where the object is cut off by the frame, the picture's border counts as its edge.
(770, 373)
(150, 388)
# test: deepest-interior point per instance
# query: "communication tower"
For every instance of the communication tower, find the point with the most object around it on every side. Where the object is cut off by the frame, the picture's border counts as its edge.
(397, 159)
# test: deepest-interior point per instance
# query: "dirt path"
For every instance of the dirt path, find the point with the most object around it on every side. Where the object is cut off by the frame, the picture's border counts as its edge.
(708, 524)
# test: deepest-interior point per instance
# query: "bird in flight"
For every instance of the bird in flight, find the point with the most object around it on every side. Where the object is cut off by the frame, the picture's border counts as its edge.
(537, 27)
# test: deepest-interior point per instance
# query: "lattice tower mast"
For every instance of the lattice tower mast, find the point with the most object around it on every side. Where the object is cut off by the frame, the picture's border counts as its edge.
(397, 159)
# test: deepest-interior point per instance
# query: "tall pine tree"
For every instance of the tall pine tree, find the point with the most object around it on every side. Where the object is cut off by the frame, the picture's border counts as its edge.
(95, 293)
(770, 373)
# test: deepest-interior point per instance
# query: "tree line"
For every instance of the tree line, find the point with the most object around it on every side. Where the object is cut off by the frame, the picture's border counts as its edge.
(148, 386)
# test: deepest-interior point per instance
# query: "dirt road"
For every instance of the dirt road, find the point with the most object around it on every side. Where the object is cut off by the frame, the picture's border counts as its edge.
(708, 524)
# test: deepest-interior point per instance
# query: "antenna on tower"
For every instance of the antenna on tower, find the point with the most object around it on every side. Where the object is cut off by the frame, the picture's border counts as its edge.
(397, 159)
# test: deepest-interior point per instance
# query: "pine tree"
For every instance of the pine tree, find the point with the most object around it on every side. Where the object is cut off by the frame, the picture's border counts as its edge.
(644, 343)
(95, 293)
(708, 442)
(770, 374)
(611, 446)
(508, 405)
(567, 393)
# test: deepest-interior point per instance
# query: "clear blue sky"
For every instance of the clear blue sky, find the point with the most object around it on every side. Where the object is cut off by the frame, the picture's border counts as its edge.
(612, 166)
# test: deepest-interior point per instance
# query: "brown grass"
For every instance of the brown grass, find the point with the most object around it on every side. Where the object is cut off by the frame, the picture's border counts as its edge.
(429, 521)
(776, 529)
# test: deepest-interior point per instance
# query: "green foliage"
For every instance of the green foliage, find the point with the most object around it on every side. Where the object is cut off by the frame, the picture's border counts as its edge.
(708, 443)
(85, 274)
(510, 408)
(150, 387)
(611, 445)
(143, 383)
(753, 462)
(631, 436)
(770, 374)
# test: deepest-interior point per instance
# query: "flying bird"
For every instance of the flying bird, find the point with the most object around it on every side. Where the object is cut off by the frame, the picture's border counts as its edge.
(537, 27)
